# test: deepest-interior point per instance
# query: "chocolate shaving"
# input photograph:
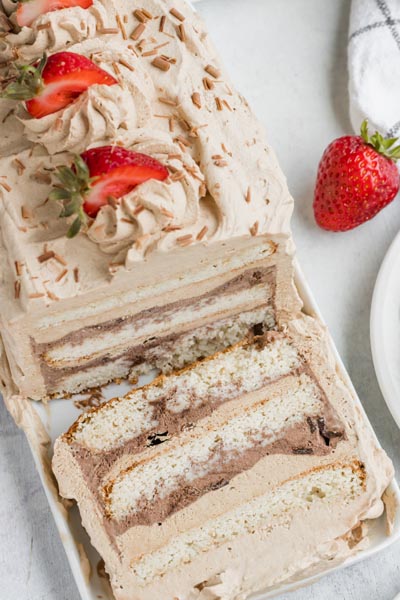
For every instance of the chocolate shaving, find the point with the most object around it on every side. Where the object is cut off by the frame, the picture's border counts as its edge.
(141, 15)
(124, 63)
(178, 15)
(202, 233)
(254, 229)
(17, 289)
(208, 83)
(137, 32)
(18, 267)
(5, 186)
(213, 71)
(61, 275)
(107, 30)
(46, 256)
(20, 167)
(60, 259)
(121, 27)
(181, 32)
(196, 99)
(161, 63)
(168, 101)
(218, 102)
(25, 214)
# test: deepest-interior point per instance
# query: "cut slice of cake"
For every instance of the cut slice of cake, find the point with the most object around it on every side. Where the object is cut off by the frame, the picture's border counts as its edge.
(175, 269)
(205, 472)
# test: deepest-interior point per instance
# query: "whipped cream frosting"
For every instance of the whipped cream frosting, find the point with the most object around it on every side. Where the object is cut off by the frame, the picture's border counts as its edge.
(224, 180)
(51, 32)
(102, 113)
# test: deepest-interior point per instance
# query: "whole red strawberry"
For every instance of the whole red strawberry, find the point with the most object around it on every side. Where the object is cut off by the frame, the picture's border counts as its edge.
(357, 177)
(55, 82)
(98, 175)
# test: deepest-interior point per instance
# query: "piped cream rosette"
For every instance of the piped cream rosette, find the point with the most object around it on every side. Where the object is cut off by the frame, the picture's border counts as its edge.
(103, 113)
(156, 213)
(51, 32)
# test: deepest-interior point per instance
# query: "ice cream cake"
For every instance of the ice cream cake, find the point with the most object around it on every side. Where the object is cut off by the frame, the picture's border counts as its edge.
(144, 223)
(227, 477)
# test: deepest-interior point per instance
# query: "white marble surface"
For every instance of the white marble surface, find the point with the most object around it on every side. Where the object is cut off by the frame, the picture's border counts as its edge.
(289, 58)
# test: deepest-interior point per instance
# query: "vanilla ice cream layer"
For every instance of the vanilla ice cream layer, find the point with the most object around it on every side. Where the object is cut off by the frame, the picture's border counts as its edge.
(262, 513)
(165, 353)
(86, 346)
(242, 440)
(243, 368)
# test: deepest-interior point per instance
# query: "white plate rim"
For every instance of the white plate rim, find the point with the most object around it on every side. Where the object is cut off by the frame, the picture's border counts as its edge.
(381, 309)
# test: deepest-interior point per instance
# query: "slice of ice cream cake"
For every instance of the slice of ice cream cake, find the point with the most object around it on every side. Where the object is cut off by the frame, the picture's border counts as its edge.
(227, 477)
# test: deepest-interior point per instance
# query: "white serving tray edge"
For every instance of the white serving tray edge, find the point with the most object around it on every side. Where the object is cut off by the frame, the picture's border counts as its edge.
(55, 419)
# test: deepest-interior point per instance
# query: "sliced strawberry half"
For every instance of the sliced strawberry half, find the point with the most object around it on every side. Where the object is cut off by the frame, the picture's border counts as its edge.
(55, 82)
(29, 10)
(98, 175)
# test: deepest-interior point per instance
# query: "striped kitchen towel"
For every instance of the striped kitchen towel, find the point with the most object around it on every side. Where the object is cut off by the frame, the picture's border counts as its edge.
(374, 65)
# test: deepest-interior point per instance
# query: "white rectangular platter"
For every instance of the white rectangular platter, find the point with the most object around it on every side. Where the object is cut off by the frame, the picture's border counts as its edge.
(56, 418)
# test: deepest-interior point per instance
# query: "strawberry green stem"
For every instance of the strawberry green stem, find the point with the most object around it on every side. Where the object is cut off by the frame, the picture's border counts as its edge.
(28, 83)
(384, 146)
(74, 184)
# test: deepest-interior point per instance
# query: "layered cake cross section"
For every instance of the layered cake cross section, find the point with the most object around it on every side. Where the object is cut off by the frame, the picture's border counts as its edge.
(174, 479)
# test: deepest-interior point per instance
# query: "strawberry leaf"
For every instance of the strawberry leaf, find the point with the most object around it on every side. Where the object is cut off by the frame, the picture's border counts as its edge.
(383, 146)
(74, 184)
(75, 227)
(28, 82)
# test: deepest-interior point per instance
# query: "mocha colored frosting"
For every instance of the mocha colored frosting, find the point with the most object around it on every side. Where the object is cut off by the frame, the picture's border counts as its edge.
(224, 181)
(52, 31)
(114, 113)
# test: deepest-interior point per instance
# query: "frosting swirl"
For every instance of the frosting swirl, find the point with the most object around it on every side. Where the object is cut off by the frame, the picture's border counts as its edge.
(102, 113)
(53, 31)
(154, 210)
